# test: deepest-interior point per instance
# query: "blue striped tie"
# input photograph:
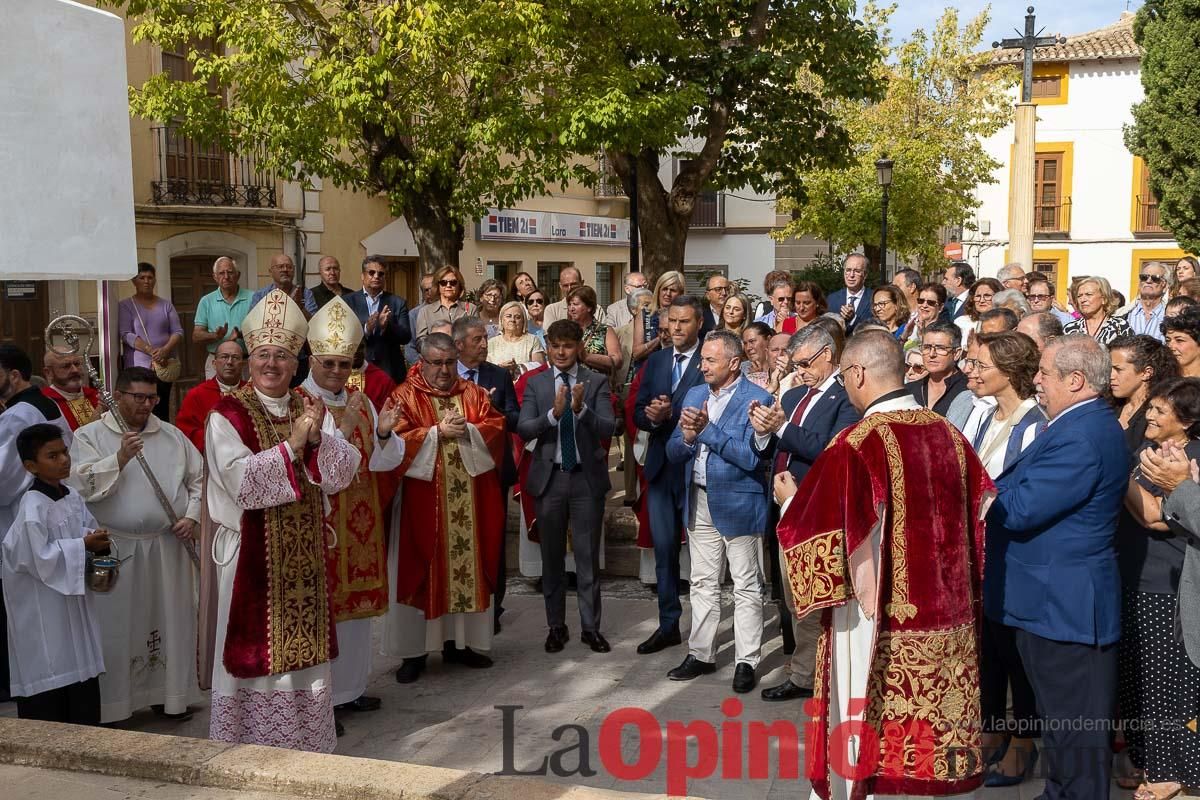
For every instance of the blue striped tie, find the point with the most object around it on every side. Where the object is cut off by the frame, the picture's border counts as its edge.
(566, 430)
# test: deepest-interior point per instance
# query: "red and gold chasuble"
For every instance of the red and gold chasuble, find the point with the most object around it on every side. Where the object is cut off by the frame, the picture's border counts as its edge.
(450, 531)
(78, 411)
(913, 472)
(358, 583)
(280, 617)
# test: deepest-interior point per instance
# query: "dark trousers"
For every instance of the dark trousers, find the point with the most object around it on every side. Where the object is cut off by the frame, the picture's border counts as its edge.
(771, 550)
(1075, 686)
(4, 677)
(78, 704)
(568, 499)
(162, 409)
(664, 501)
(502, 561)
(1000, 667)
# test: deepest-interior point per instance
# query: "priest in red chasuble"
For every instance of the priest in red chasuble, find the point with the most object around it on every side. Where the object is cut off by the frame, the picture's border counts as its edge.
(371, 379)
(885, 537)
(273, 458)
(358, 515)
(64, 385)
(446, 542)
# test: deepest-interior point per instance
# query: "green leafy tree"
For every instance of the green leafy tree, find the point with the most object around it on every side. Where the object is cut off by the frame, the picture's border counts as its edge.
(1165, 132)
(726, 94)
(444, 107)
(942, 101)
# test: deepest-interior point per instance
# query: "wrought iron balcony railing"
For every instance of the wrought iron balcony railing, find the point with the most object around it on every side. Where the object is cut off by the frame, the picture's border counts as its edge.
(1052, 218)
(609, 183)
(191, 173)
(709, 211)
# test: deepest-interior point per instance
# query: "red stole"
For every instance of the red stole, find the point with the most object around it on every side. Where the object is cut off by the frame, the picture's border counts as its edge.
(192, 418)
(374, 381)
(280, 616)
(77, 412)
(450, 532)
(924, 593)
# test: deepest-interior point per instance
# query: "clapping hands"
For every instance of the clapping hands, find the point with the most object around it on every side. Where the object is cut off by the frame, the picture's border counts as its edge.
(766, 419)
(692, 421)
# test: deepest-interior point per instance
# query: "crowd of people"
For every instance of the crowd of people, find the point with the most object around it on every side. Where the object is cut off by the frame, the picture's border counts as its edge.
(981, 488)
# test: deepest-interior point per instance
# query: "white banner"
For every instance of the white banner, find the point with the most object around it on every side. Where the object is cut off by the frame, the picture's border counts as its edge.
(516, 225)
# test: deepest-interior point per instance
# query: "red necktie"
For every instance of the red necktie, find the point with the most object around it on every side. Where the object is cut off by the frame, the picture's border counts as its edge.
(782, 459)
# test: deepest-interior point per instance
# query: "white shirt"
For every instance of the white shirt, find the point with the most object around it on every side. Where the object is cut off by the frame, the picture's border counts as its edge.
(717, 401)
(854, 298)
(573, 373)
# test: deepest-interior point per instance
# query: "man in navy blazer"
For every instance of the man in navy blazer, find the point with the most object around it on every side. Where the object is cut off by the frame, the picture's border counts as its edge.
(957, 281)
(470, 339)
(666, 378)
(1051, 564)
(799, 428)
(853, 301)
(725, 495)
(384, 317)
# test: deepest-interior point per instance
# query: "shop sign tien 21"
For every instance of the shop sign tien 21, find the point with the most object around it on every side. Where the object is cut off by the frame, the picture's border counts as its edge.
(514, 225)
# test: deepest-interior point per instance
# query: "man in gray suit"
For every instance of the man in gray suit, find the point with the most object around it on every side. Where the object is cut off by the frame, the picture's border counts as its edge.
(568, 410)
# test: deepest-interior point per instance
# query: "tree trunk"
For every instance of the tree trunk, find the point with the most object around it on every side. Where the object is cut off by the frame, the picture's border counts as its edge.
(438, 234)
(663, 217)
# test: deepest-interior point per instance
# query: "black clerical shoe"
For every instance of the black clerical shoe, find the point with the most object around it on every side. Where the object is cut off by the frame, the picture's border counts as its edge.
(161, 711)
(785, 691)
(691, 667)
(363, 703)
(557, 639)
(339, 729)
(685, 587)
(659, 641)
(596, 641)
(743, 678)
(410, 669)
(467, 657)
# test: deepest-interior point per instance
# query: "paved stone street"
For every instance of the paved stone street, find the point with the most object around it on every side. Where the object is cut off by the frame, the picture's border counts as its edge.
(449, 717)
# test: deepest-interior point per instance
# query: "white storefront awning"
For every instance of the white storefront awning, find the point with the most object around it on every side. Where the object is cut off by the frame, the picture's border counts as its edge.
(393, 239)
(66, 199)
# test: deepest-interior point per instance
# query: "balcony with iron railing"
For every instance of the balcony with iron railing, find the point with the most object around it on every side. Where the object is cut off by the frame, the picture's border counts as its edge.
(1052, 220)
(1146, 220)
(709, 211)
(191, 173)
(608, 183)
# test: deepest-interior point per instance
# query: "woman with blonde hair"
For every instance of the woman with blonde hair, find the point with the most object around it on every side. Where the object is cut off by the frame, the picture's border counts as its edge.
(1093, 298)
(514, 346)
(450, 305)
(735, 314)
(669, 285)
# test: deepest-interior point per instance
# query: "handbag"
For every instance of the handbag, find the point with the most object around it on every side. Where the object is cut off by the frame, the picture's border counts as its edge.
(168, 372)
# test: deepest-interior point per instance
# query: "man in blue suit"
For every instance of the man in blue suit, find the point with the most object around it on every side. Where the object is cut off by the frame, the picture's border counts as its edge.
(384, 317)
(799, 428)
(1051, 566)
(853, 301)
(666, 378)
(957, 281)
(714, 443)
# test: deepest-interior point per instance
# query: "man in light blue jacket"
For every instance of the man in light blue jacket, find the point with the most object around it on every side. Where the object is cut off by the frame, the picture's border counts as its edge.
(726, 507)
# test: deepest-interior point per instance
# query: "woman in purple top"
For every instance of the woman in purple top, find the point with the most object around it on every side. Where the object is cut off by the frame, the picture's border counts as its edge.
(150, 332)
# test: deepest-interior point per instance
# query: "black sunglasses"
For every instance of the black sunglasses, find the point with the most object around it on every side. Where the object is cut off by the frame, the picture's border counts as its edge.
(1151, 278)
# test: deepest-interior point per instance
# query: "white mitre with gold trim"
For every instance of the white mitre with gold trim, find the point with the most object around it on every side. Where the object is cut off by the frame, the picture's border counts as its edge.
(275, 320)
(334, 330)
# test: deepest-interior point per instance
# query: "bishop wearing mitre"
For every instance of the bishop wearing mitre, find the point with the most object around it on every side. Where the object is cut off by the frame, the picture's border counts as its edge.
(358, 515)
(274, 457)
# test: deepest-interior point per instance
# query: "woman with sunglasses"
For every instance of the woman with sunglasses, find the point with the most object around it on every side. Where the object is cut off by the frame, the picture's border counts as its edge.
(449, 306)
(535, 304)
(1003, 369)
(931, 299)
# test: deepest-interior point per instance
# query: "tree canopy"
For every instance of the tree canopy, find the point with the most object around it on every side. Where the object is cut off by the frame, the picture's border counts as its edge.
(942, 101)
(1165, 131)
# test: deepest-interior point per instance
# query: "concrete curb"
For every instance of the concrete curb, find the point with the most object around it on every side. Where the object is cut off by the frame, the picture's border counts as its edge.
(200, 762)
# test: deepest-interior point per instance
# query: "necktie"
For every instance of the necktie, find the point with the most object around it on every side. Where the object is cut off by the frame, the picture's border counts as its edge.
(952, 305)
(471, 375)
(854, 303)
(566, 430)
(782, 459)
(677, 371)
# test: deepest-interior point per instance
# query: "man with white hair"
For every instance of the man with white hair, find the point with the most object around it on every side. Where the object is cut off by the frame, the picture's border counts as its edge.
(1013, 300)
(220, 312)
(1011, 276)
(618, 312)
(1052, 571)
(569, 279)
(78, 402)
(898, 568)
(1146, 314)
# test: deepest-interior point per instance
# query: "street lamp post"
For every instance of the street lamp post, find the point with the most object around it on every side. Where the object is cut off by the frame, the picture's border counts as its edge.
(883, 173)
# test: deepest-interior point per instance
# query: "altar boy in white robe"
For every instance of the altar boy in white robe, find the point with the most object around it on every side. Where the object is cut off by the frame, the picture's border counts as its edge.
(273, 457)
(148, 621)
(358, 578)
(54, 639)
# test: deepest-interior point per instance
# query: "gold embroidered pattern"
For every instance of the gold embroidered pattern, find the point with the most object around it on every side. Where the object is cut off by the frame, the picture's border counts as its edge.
(358, 520)
(929, 688)
(462, 561)
(358, 379)
(298, 601)
(816, 571)
(901, 610)
(911, 416)
(83, 411)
